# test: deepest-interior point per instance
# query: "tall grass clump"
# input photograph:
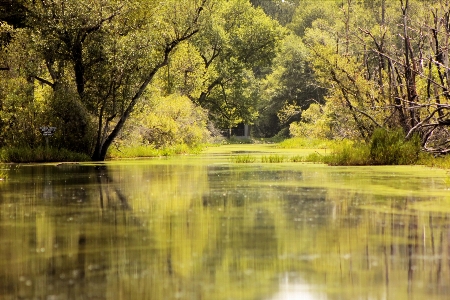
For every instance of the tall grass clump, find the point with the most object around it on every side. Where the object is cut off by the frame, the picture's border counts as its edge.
(297, 158)
(243, 159)
(348, 154)
(273, 158)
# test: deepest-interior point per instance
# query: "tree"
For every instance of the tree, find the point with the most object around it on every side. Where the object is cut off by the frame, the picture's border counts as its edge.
(106, 53)
(289, 89)
(13, 12)
(237, 42)
(280, 10)
(382, 74)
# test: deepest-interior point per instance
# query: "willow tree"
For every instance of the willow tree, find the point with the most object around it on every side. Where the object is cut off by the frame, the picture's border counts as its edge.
(107, 52)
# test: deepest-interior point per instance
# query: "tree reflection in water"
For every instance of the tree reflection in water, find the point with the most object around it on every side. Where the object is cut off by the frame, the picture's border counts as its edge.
(189, 230)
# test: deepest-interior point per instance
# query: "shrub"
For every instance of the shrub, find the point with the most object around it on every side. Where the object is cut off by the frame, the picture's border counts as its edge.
(391, 148)
(315, 157)
(384, 148)
(167, 121)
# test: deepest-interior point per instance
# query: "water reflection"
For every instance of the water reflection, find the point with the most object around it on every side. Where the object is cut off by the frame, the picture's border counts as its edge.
(190, 229)
(296, 288)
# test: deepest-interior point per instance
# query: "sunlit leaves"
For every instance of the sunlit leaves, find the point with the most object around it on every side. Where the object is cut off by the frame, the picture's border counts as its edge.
(165, 121)
(238, 40)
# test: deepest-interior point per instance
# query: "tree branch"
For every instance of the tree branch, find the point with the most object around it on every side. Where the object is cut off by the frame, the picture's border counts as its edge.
(45, 81)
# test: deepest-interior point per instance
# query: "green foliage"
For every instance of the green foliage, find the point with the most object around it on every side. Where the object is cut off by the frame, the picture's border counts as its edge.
(116, 72)
(164, 122)
(289, 89)
(385, 148)
(75, 128)
(280, 10)
(315, 123)
(98, 58)
(391, 148)
(232, 52)
(316, 157)
(311, 12)
(19, 114)
(40, 154)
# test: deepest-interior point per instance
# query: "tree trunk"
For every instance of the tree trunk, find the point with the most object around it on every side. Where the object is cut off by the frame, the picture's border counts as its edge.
(102, 145)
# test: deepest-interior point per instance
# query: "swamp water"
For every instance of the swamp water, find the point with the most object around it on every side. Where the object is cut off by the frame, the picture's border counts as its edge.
(202, 227)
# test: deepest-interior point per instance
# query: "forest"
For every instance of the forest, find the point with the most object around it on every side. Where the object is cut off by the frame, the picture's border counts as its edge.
(109, 74)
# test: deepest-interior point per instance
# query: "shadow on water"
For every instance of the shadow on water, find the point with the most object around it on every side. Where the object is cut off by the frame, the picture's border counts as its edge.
(182, 229)
(56, 224)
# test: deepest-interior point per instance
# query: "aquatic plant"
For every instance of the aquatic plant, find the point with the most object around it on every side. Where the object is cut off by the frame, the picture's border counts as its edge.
(243, 159)
(297, 158)
(273, 158)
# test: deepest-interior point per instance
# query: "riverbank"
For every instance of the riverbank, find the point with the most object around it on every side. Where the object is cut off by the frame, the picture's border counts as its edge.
(294, 150)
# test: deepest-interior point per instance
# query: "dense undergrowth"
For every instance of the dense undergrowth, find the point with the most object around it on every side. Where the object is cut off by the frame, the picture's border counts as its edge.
(384, 148)
(43, 154)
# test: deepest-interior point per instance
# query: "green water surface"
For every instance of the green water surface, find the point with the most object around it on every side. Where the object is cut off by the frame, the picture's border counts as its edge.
(203, 227)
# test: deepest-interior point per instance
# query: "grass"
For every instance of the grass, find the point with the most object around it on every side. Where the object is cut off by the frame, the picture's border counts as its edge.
(348, 154)
(238, 140)
(273, 158)
(243, 159)
(40, 154)
(429, 160)
(384, 148)
(299, 143)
